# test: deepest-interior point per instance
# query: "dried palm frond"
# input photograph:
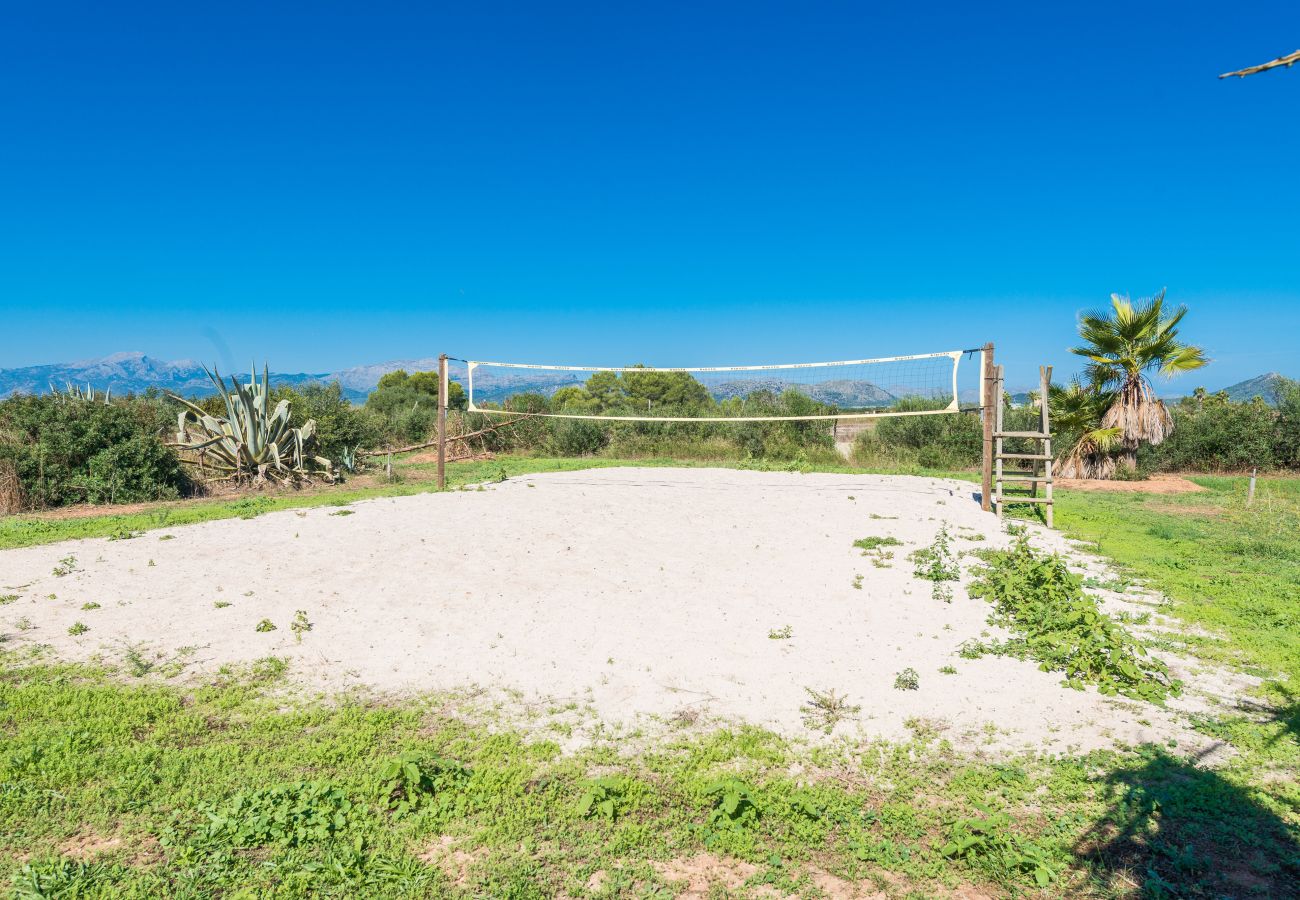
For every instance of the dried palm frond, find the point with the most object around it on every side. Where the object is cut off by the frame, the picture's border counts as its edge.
(1078, 411)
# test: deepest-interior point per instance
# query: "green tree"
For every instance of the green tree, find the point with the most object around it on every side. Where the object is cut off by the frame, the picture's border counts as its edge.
(678, 390)
(1122, 345)
(419, 385)
(606, 390)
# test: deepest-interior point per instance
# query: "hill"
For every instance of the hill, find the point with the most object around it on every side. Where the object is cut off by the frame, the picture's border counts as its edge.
(1266, 386)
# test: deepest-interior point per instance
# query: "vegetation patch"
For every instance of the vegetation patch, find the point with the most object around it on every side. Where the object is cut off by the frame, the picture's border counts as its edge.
(1039, 599)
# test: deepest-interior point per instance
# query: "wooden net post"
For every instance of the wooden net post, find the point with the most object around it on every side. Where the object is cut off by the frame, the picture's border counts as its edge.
(1045, 394)
(442, 421)
(987, 406)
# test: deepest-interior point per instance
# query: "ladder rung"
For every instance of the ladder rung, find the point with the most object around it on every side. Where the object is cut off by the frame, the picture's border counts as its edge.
(1018, 499)
(1042, 456)
(1020, 476)
(1022, 434)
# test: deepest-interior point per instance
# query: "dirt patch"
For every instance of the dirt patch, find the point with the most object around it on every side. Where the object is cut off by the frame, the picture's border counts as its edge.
(450, 860)
(700, 874)
(88, 844)
(1189, 509)
(836, 888)
(1156, 484)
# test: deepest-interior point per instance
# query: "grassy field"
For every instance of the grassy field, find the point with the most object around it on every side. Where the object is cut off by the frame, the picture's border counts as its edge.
(124, 784)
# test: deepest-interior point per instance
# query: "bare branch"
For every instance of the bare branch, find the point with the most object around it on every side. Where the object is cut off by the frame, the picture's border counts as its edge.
(1282, 61)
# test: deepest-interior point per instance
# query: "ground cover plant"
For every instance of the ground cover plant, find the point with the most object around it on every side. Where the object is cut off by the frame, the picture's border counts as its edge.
(1037, 598)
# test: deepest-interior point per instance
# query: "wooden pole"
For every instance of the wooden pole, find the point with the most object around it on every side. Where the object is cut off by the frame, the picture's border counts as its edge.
(442, 421)
(1045, 394)
(986, 412)
(998, 487)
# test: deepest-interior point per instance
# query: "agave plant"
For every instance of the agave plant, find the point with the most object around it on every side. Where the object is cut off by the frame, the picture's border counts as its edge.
(75, 394)
(1079, 411)
(249, 442)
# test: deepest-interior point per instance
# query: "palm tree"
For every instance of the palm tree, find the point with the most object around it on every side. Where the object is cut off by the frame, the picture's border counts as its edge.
(1077, 412)
(1122, 346)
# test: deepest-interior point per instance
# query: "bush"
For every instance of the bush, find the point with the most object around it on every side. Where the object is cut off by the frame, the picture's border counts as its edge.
(339, 424)
(576, 437)
(1213, 434)
(69, 451)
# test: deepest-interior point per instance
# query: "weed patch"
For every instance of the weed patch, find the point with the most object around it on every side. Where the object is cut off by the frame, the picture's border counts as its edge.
(1037, 597)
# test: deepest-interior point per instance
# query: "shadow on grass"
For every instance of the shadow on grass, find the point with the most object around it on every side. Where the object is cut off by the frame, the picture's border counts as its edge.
(1174, 829)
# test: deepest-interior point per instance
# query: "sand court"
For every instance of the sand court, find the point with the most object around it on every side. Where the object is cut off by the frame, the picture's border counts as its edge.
(637, 596)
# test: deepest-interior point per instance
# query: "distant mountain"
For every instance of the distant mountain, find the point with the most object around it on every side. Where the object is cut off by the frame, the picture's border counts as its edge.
(126, 373)
(845, 393)
(1266, 386)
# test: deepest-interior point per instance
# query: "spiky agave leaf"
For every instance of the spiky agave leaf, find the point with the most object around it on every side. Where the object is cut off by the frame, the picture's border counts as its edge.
(247, 441)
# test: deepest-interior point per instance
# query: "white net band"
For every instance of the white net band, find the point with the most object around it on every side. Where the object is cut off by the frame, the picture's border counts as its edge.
(921, 384)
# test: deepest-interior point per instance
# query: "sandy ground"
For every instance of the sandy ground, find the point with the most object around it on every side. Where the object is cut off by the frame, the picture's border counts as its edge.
(1156, 484)
(603, 599)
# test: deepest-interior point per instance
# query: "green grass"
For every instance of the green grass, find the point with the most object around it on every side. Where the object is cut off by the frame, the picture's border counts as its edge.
(1228, 567)
(231, 788)
(226, 789)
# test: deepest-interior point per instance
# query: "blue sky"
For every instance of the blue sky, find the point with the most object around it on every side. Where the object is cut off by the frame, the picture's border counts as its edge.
(324, 184)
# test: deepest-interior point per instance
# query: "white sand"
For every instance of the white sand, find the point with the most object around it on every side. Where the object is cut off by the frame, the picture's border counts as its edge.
(630, 593)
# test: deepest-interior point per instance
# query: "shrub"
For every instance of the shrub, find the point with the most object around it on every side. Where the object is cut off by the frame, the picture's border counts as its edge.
(1212, 433)
(65, 451)
(340, 426)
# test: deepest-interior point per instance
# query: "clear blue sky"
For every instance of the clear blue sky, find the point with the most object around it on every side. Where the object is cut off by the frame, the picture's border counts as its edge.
(323, 185)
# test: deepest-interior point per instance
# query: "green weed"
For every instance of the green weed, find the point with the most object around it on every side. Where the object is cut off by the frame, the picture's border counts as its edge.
(1037, 597)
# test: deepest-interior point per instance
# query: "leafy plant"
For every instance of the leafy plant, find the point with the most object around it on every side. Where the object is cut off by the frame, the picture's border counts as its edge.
(77, 628)
(907, 680)
(66, 566)
(6, 599)
(264, 626)
(989, 842)
(873, 542)
(936, 562)
(601, 797)
(1038, 598)
(220, 604)
(823, 710)
(299, 626)
(734, 805)
(90, 605)
(287, 815)
(410, 780)
(249, 441)
(784, 633)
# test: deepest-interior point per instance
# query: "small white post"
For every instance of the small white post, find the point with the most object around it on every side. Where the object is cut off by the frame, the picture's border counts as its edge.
(1250, 493)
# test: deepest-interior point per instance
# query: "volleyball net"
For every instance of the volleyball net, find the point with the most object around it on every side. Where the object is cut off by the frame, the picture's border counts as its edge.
(923, 384)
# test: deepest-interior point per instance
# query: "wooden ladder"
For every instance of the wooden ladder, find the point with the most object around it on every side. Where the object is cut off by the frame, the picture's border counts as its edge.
(1039, 464)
